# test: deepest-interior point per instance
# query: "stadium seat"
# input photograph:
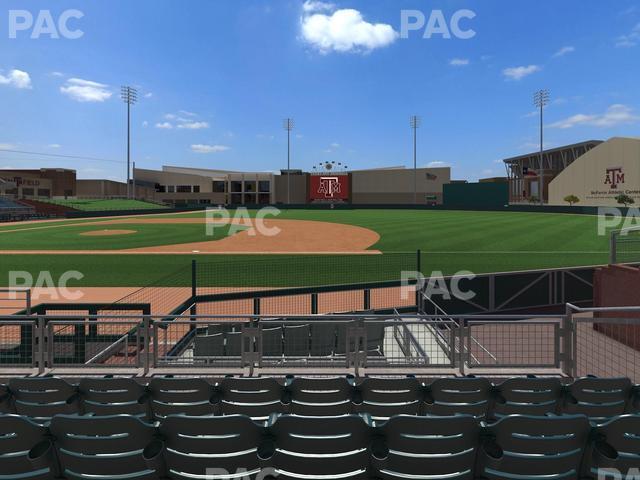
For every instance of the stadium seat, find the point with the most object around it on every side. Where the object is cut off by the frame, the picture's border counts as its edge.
(113, 396)
(255, 397)
(616, 446)
(526, 396)
(321, 447)
(119, 446)
(296, 340)
(233, 344)
(211, 447)
(5, 400)
(272, 341)
(451, 396)
(320, 396)
(597, 398)
(42, 398)
(25, 450)
(375, 338)
(323, 339)
(427, 447)
(189, 396)
(528, 447)
(209, 345)
(385, 397)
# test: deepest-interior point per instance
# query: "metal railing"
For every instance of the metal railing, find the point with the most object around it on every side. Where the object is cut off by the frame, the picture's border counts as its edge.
(624, 246)
(599, 341)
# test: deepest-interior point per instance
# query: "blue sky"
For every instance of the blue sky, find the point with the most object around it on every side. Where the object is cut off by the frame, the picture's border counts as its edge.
(217, 77)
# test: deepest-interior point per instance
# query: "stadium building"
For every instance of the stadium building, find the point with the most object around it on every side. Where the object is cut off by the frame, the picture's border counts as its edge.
(594, 171)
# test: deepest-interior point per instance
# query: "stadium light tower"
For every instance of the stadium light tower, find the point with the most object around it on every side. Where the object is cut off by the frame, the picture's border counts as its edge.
(129, 96)
(541, 100)
(288, 126)
(415, 122)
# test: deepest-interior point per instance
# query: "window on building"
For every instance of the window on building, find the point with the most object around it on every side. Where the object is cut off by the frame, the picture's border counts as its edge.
(28, 192)
(183, 189)
(220, 187)
(161, 188)
(236, 187)
(196, 189)
(44, 192)
(250, 186)
(264, 186)
(205, 201)
(171, 189)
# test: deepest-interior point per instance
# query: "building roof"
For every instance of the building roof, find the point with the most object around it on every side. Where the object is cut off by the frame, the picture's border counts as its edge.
(586, 144)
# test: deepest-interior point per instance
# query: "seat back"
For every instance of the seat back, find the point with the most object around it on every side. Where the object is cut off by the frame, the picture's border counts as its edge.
(296, 340)
(272, 341)
(189, 396)
(323, 339)
(5, 400)
(25, 451)
(42, 398)
(375, 337)
(194, 446)
(541, 447)
(104, 447)
(617, 446)
(527, 396)
(321, 396)
(598, 398)
(445, 447)
(254, 397)
(451, 396)
(233, 344)
(113, 396)
(385, 397)
(317, 446)
(209, 345)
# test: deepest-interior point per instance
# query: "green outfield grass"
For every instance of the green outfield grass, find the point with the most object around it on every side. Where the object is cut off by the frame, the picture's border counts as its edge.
(450, 241)
(107, 205)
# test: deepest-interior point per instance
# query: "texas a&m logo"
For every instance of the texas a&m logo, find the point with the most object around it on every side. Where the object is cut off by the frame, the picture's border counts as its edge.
(329, 186)
(613, 177)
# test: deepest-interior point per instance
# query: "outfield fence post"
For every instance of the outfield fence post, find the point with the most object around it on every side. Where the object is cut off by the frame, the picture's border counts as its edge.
(146, 343)
(41, 344)
(194, 290)
(418, 283)
(566, 334)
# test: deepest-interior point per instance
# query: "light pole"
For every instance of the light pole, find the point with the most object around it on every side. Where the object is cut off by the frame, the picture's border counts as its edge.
(415, 122)
(288, 126)
(541, 100)
(129, 96)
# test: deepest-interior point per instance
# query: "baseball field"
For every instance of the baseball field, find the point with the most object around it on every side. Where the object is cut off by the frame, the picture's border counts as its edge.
(310, 247)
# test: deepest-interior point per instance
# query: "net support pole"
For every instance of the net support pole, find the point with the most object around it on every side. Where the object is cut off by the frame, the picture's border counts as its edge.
(418, 283)
(194, 289)
(612, 248)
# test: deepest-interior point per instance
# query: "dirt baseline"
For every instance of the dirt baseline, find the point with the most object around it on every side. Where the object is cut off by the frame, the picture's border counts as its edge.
(278, 236)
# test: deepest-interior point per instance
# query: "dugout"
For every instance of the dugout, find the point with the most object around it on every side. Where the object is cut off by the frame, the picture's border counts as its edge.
(476, 195)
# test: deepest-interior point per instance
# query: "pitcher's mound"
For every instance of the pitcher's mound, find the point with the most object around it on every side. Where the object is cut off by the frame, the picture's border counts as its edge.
(107, 232)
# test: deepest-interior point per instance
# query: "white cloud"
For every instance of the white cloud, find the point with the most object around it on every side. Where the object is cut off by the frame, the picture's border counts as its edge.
(342, 30)
(164, 125)
(17, 79)
(438, 165)
(86, 90)
(630, 40)
(335, 145)
(264, 136)
(7, 146)
(145, 124)
(200, 148)
(170, 116)
(459, 62)
(614, 115)
(57, 74)
(188, 114)
(518, 73)
(54, 145)
(564, 51)
(148, 95)
(193, 125)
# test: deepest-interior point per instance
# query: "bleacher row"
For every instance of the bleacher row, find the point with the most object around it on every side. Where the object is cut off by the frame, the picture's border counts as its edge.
(597, 398)
(123, 447)
(315, 340)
